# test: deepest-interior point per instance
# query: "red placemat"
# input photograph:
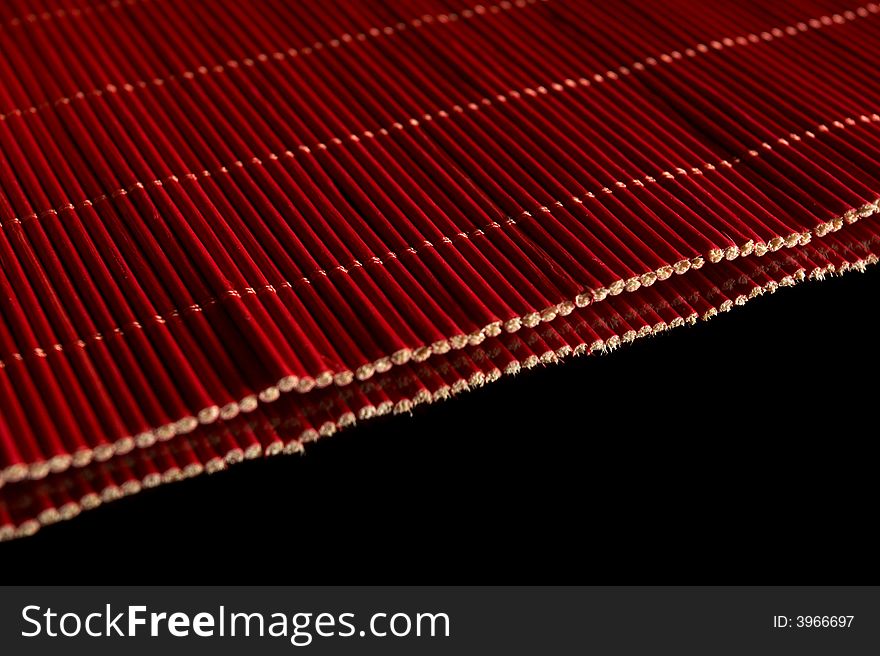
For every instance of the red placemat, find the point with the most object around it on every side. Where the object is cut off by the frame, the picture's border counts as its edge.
(230, 228)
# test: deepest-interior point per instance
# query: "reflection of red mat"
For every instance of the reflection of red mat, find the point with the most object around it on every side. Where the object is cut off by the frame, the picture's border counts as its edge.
(229, 232)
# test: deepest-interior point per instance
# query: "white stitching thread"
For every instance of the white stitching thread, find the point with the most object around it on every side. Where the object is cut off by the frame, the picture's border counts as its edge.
(714, 256)
(374, 32)
(74, 12)
(815, 23)
(475, 106)
(727, 42)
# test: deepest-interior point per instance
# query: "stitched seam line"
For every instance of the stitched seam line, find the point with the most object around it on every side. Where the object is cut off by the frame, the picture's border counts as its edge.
(279, 55)
(667, 58)
(74, 12)
(647, 278)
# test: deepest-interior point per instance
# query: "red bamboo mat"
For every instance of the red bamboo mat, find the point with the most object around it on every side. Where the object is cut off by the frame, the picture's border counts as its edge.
(231, 228)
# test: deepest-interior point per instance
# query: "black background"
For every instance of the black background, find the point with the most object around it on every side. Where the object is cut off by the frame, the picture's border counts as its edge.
(738, 450)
